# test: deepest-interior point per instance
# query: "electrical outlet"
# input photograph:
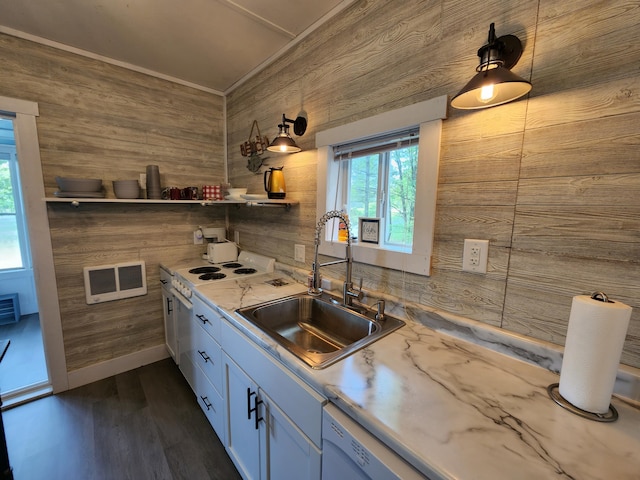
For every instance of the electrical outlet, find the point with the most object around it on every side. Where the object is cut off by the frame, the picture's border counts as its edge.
(475, 255)
(236, 237)
(298, 253)
(197, 237)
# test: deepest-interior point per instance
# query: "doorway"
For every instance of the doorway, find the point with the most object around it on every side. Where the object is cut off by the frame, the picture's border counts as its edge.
(23, 114)
(23, 371)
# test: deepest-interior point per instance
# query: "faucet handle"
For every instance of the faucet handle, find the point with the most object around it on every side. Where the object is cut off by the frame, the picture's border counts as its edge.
(359, 294)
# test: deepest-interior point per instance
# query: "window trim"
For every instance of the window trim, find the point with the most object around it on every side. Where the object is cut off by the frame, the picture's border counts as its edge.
(428, 116)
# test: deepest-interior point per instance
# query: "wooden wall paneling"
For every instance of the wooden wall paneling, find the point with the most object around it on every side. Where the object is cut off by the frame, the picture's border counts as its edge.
(602, 51)
(598, 191)
(454, 223)
(608, 233)
(600, 101)
(498, 159)
(551, 281)
(591, 147)
(97, 234)
(537, 166)
(101, 121)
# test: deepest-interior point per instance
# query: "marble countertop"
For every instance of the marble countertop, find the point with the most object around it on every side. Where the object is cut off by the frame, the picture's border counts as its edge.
(449, 405)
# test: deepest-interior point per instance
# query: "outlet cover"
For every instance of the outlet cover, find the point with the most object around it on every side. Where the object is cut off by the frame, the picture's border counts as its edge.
(475, 255)
(298, 253)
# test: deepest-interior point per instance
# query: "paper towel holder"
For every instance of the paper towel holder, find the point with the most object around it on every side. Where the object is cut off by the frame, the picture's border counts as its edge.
(554, 392)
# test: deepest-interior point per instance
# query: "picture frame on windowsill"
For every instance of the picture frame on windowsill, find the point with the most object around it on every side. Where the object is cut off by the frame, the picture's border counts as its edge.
(369, 230)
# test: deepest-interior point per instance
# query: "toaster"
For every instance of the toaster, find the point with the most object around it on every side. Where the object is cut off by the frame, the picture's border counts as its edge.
(221, 252)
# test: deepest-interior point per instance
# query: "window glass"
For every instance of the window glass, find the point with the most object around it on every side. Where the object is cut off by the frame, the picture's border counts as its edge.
(13, 250)
(10, 254)
(383, 185)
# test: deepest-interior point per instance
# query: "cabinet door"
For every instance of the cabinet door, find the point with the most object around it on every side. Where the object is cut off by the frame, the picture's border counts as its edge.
(291, 455)
(185, 341)
(244, 414)
(170, 334)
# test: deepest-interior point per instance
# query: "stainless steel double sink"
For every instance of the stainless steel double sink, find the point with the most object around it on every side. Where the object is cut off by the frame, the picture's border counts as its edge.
(318, 330)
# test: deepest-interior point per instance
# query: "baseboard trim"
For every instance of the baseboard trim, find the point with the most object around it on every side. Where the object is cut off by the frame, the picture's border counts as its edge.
(99, 371)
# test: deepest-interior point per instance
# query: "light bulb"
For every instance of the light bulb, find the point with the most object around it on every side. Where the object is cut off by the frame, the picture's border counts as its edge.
(486, 93)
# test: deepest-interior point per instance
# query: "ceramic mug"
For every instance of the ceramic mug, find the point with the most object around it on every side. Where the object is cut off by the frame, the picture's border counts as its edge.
(207, 192)
(175, 193)
(190, 193)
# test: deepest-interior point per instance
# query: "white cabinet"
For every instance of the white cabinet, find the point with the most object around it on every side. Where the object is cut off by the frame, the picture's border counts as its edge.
(269, 420)
(263, 441)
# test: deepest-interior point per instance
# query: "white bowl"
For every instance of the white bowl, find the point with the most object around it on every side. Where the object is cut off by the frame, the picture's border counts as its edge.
(235, 193)
(85, 185)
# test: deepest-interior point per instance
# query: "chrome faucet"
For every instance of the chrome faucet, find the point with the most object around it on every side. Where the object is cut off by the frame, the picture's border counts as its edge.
(348, 293)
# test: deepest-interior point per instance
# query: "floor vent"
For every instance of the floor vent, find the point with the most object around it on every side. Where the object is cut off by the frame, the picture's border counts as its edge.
(9, 308)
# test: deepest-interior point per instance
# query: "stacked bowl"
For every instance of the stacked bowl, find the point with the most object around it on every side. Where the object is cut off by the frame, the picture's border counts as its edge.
(79, 187)
(126, 188)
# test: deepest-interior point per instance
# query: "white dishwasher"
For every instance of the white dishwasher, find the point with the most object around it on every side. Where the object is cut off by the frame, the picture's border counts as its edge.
(350, 452)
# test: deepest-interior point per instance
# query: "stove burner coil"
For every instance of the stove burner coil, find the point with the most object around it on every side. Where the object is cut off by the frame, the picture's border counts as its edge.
(199, 270)
(245, 271)
(232, 265)
(212, 276)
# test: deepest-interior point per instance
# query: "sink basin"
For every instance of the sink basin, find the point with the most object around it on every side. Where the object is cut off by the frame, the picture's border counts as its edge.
(318, 330)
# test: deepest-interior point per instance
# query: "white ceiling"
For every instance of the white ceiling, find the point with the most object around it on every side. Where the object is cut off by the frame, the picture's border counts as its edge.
(209, 44)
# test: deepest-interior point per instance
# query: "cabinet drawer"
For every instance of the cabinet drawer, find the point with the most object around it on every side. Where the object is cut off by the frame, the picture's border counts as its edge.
(208, 356)
(208, 318)
(210, 402)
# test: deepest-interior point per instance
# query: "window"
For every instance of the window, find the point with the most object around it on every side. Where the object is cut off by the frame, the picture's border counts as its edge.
(13, 245)
(378, 179)
(384, 167)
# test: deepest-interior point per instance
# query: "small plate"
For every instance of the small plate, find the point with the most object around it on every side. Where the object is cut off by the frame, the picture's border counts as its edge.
(60, 194)
(250, 196)
(235, 199)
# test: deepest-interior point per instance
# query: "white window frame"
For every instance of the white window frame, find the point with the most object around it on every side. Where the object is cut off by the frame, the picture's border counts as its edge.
(428, 116)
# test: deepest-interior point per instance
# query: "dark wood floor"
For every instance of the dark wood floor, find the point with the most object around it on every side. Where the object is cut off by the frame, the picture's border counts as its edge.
(143, 424)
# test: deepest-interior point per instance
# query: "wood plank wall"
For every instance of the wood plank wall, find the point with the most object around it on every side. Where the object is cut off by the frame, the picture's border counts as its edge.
(552, 181)
(101, 121)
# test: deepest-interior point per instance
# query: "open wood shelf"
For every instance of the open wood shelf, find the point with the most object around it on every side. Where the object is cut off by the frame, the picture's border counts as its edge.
(287, 204)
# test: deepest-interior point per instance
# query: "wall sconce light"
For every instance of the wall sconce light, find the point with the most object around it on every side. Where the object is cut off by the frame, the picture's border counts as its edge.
(283, 143)
(494, 84)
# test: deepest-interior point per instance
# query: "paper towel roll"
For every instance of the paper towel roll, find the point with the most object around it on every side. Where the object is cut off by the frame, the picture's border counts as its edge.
(593, 347)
